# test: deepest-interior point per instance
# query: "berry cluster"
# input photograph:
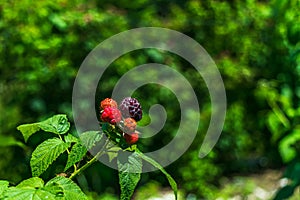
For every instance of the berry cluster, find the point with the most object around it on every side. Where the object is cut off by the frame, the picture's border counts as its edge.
(123, 118)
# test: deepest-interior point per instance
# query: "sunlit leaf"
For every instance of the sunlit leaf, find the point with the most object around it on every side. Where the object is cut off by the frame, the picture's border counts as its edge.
(29, 193)
(77, 152)
(129, 174)
(28, 129)
(31, 189)
(70, 138)
(3, 187)
(70, 190)
(45, 154)
(57, 124)
(34, 182)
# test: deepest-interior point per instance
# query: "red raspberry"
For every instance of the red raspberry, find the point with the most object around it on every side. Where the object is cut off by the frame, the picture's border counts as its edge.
(111, 115)
(131, 138)
(108, 103)
(129, 125)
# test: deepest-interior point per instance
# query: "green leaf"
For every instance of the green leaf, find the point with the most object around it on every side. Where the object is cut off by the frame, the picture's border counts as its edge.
(54, 189)
(90, 138)
(158, 166)
(77, 152)
(292, 171)
(31, 189)
(131, 148)
(28, 129)
(10, 141)
(15, 193)
(275, 126)
(285, 192)
(58, 21)
(46, 153)
(286, 149)
(71, 138)
(34, 182)
(57, 124)
(70, 190)
(113, 152)
(86, 141)
(129, 175)
(3, 187)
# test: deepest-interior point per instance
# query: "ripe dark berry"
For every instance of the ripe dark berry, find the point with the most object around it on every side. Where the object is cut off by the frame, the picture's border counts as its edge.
(130, 107)
(111, 115)
(131, 138)
(129, 125)
(108, 103)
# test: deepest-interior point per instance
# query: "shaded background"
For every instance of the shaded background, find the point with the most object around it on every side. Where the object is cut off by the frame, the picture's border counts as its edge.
(255, 45)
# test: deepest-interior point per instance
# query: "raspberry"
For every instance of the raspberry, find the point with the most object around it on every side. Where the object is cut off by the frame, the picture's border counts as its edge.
(108, 103)
(129, 125)
(111, 115)
(131, 138)
(130, 107)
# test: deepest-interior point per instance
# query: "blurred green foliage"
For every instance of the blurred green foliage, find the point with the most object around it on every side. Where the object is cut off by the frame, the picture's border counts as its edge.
(254, 43)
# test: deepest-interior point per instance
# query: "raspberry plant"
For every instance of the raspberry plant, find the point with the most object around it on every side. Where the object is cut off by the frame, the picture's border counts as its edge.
(120, 135)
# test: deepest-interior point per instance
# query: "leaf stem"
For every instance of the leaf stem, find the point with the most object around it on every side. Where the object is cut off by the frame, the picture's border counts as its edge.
(94, 159)
(75, 167)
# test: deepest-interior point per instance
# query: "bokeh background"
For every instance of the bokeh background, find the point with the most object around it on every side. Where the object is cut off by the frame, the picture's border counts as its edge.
(255, 45)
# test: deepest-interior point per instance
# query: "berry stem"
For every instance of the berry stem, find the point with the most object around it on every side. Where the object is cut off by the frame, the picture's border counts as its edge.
(90, 162)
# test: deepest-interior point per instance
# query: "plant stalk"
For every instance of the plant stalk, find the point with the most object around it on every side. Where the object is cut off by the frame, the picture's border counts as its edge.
(90, 162)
